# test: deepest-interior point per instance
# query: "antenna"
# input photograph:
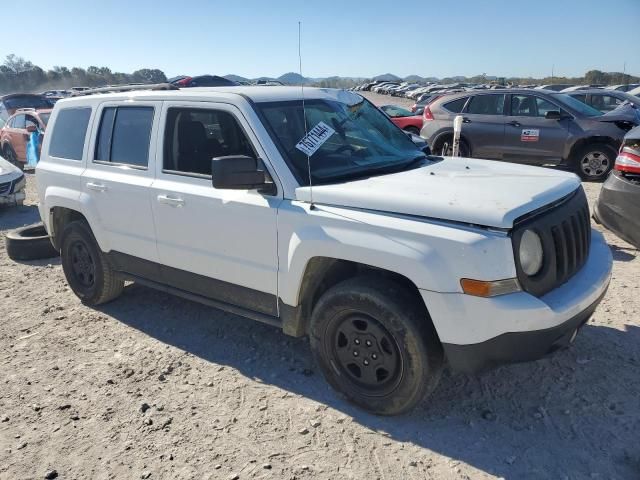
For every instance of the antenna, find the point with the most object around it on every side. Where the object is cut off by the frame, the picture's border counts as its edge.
(304, 112)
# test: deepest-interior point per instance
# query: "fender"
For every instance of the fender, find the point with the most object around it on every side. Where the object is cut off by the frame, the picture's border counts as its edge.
(433, 255)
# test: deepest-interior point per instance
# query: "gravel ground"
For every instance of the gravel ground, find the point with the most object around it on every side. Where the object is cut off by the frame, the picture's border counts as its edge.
(152, 386)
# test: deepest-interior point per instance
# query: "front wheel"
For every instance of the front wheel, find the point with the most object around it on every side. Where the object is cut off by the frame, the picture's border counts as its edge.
(87, 269)
(594, 162)
(376, 345)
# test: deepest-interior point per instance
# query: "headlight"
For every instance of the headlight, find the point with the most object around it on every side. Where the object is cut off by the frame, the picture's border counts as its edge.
(531, 255)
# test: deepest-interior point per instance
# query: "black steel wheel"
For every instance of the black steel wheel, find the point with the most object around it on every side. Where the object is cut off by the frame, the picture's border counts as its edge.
(374, 342)
(366, 352)
(82, 264)
(86, 267)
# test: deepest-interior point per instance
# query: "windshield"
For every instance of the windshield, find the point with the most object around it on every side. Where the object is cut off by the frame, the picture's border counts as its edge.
(364, 141)
(577, 105)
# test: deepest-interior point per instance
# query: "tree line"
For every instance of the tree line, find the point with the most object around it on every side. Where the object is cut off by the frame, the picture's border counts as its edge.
(20, 75)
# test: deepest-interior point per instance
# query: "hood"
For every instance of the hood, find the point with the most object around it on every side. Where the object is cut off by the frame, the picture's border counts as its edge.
(7, 169)
(626, 112)
(481, 192)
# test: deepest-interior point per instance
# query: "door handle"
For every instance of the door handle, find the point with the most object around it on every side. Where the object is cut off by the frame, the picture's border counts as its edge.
(172, 201)
(465, 120)
(515, 124)
(98, 187)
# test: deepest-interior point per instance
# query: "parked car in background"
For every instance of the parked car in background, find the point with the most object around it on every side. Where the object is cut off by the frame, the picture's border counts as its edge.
(603, 99)
(403, 118)
(624, 88)
(556, 87)
(618, 206)
(536, 127)
(15, 135)
(581, 87)
(12, 184)
(10, 103)
(635, 92)
(184, 81)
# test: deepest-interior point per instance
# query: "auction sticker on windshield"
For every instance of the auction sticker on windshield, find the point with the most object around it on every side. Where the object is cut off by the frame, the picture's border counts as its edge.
(530, 135)
(313, 140)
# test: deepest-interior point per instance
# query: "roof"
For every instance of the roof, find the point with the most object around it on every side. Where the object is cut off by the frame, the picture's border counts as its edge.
(253, 92)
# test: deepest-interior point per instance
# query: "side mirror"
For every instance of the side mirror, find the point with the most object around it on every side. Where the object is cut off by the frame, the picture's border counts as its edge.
(236, 172)
(31, 128)
(553, 115)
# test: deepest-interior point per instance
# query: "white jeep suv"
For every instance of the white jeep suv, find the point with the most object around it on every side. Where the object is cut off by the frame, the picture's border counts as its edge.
(324, 219)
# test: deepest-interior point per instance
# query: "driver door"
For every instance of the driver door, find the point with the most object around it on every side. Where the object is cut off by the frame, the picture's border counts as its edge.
(220, 244)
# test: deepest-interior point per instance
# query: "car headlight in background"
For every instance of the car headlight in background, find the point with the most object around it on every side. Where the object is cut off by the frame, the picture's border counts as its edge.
(530, 253)
(19, 184)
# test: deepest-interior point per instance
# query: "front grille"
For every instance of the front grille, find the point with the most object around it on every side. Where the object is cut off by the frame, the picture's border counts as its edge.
(5, 188)
(565, 231)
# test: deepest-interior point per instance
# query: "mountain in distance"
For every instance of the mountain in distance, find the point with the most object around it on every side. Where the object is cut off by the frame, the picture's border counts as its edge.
(387, 77)
(292, 78)
(236, 78)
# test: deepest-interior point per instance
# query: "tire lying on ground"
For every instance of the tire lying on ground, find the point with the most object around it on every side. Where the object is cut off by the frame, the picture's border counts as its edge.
(29, 243)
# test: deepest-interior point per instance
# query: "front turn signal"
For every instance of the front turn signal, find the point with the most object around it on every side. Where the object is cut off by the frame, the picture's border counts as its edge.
(481, 288)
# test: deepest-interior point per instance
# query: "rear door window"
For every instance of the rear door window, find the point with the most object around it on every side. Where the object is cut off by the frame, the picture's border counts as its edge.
(69, 132)
(124, 136)
(455, 106)
(19, 121)
(486, 105)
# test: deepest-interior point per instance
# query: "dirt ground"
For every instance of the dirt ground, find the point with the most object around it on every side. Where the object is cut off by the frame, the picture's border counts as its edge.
(152, 386)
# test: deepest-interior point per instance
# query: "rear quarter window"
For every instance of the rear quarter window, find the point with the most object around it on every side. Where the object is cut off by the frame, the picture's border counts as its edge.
(455, 106)
(69, 132)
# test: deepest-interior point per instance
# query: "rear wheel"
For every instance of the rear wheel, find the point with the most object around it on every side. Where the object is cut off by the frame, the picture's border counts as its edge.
(594, 162)
(376, 345)
(444, 147)
(87, 269)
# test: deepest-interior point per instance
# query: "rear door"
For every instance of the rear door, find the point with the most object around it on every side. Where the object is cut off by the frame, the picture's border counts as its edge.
(118, 178)
(483, 125)
(530, 137)
(19, 137)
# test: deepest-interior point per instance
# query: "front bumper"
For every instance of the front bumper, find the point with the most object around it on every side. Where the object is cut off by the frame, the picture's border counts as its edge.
(618, 208)
(478, 333)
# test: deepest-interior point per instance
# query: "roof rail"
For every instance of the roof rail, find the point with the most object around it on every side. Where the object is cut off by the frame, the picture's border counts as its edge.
(124, 88)
(27, 109)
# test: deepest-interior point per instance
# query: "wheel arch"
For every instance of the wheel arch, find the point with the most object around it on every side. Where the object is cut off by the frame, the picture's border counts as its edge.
(322, 273)
(594, 139)
(440, 137)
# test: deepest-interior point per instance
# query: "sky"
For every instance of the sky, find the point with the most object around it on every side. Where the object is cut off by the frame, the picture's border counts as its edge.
(360, 38)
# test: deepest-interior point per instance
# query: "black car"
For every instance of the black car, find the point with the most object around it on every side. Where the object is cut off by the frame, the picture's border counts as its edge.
(618, 207)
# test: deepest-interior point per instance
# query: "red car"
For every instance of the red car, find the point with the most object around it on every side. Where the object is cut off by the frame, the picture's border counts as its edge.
(403, 118)
(15, 134)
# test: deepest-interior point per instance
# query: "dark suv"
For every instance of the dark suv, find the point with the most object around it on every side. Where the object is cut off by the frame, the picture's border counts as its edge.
(535, 127)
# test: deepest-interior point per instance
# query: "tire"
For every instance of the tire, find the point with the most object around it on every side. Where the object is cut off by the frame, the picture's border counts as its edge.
(414, 130)
(86, 268)
(593, 162)
(29, 243)
(447, 142)
(382, 324)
